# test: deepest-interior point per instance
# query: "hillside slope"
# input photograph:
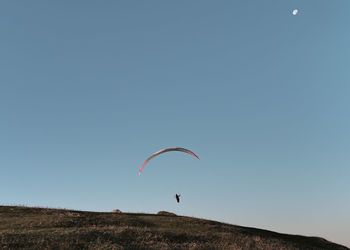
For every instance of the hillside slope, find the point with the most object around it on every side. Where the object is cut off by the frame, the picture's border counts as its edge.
(38, 228)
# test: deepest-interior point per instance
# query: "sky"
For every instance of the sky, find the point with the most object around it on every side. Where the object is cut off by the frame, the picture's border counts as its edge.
(89, 89)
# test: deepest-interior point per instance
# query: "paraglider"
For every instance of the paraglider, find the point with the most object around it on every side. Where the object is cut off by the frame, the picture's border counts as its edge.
(167, 150)
(177, 197)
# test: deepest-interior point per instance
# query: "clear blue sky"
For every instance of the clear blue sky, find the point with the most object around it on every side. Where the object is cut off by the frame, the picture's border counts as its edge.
(89, 89)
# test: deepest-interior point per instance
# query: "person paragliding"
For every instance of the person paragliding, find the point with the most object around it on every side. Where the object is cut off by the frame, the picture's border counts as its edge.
(184, 150)
(177, 197)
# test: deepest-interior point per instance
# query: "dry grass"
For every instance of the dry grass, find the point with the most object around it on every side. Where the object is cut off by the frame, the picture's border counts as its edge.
(43, 228)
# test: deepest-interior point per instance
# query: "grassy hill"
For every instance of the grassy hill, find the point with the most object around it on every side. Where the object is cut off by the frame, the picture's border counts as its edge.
(42, 228)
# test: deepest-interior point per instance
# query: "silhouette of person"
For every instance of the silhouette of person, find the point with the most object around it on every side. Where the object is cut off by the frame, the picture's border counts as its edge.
(177, 197)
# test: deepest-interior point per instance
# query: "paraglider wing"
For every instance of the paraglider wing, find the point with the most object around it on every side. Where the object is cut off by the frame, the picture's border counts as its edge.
(167, 150)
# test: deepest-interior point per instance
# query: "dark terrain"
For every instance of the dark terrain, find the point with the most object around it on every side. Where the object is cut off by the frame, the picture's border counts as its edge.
(43, 228)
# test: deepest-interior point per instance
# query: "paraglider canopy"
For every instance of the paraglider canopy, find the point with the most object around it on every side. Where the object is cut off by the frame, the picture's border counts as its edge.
(167, 150)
